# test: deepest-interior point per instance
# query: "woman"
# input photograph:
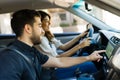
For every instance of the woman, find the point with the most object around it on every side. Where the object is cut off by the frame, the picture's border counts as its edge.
(49, 44)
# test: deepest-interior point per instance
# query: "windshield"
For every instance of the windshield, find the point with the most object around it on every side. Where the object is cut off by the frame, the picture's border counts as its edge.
(105, 16)
(71, 19)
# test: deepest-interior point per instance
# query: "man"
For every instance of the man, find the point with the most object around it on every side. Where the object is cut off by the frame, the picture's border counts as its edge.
(27, 26)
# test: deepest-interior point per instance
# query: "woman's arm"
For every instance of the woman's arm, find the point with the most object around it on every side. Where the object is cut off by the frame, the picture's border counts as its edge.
(70, 43)
(84, 43)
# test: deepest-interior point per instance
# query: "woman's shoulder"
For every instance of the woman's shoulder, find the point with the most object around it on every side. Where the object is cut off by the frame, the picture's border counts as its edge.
(44, 39)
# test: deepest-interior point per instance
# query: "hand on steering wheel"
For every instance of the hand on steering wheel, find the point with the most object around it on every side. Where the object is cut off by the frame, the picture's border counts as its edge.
(90, 33)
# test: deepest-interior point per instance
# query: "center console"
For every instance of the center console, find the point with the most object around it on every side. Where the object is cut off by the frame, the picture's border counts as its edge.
(112, 59)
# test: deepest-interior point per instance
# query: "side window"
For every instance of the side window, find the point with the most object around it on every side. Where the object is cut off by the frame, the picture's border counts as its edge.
(62, 21)
(5, 24)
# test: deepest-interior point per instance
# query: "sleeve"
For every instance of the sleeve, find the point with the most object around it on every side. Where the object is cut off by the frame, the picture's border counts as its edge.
(56, 42)
(45, 44)
(42, 58)
(47, 48)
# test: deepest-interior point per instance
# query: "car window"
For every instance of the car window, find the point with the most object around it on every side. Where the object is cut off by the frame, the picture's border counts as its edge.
(62, 21)
(5, 24)
(105, 16)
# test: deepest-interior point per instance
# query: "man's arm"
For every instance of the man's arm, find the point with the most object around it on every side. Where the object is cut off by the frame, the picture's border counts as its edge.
(70, 61)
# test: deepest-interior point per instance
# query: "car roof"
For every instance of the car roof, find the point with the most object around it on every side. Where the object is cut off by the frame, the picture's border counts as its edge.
(13, 5)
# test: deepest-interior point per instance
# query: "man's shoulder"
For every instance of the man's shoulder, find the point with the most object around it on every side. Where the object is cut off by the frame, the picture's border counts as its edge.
(6, 52)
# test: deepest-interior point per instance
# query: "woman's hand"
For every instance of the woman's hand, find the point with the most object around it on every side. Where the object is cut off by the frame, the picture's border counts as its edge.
(83, 34)
(85, 42)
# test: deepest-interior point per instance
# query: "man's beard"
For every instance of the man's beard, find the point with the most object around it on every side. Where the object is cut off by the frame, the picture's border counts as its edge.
(35, 39)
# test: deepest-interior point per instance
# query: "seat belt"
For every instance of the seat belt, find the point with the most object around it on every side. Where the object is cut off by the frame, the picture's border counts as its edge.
(26, 58)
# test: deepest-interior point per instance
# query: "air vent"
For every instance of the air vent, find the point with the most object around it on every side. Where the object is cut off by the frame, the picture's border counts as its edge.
(115, 40)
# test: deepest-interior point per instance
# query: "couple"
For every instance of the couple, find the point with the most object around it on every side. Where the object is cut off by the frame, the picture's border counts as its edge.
(27, 26)
(49, 45)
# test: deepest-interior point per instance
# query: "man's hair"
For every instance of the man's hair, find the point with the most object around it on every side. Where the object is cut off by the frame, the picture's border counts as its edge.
(21, 18)
(43, 15)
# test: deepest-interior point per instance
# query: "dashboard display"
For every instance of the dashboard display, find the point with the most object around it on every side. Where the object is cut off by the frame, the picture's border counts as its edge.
(109, 50)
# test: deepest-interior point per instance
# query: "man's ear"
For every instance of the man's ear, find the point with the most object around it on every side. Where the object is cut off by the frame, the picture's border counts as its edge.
(28, 28)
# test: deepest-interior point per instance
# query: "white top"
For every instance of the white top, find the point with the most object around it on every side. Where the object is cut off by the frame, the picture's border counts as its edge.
(50, 48)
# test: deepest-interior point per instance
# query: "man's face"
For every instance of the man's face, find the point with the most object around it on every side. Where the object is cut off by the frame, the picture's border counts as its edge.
(37, 31)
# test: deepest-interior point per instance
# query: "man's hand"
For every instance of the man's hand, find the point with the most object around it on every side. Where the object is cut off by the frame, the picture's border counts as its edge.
(95, 56)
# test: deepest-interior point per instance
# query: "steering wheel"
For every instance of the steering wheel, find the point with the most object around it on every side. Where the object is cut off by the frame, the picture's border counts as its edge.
(90, 34)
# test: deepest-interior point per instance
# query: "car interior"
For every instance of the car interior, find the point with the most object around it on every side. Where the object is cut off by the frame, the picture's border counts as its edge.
(103, 35)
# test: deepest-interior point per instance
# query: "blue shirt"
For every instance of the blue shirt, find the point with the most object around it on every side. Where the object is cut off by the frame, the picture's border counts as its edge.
(14, 67)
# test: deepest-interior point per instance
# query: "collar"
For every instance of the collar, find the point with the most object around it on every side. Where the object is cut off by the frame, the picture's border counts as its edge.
(22, 46)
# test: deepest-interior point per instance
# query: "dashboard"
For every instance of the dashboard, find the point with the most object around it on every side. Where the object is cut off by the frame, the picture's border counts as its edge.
(110, 62)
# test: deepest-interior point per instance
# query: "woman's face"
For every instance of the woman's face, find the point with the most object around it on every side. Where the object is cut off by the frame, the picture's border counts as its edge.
(46, 23)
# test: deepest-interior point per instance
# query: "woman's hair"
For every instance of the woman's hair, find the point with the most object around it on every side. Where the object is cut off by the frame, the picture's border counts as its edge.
(48, 34)
(43, 15)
